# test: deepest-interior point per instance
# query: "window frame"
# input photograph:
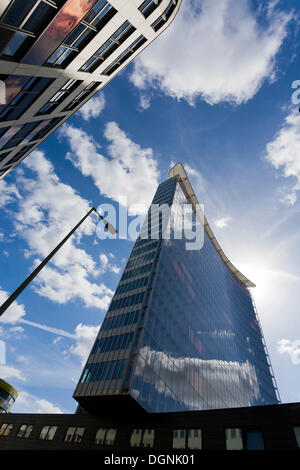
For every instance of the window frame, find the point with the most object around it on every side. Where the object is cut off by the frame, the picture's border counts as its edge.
(141, 444)
(19, 28)
(88, 31)
(108, 47)
(25, 435)
(106, 431)
(8, 427)
(186, 438)
(75, 435)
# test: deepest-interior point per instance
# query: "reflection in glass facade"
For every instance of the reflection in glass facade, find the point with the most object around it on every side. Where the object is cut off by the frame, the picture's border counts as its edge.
(64, 22)
(194, 341)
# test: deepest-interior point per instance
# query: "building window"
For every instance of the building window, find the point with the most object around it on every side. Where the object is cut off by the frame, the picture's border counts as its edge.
(48, 433)
(234, 439)
(110, 437)
(179, 439)
(142, 438)
(81, 96)
(107, 370)
(254, 440)
(187, 439)
(148, 438)
(136, 438)
(18, 156)
(122, 33)
(25, 133)
(117, 321)
(22, 23)
(165, 16)
(125, 55)
(105, 436)
(194, 439)
(59, 96)
(113, 343)
(74, 434)
(6, 133)
(5, 429)
(99, 15)
(4, 155)
(25, 431)
(19, 103)
(148, 7)
(297, 434)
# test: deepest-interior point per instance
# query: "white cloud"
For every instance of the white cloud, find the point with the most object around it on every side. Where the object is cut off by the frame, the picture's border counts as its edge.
(144, 102)
(283, 152)
(14, 312)
(8, 193)
(129, 170)
(216, 50)
(106, 264)
(56, 331)
(46, 212)
(115, 269)
(290, 347)
(28, 403)
(222, 222)
(93, 107)
(9, 372)
(84, 336)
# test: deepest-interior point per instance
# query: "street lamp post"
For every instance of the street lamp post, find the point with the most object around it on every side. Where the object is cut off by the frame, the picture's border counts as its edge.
(31, 276)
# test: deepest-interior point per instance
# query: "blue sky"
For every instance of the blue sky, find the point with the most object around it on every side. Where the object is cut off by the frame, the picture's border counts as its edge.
(214, 91)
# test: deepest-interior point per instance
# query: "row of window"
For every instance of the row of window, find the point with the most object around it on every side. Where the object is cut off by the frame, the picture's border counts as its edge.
(99, 15)
(32, 89)
(235, 438)
(136, 261)
(23, 22)
(25, 133)
(148, 7)
(143, 243)
(142, 282)
(108, 370)
(59, 96)
(17, 156)
(125, 55)
(113, 343)
(22, 91)
(136, 272)
(122, 33)
(120, 320)
(161, 20)
(127, 301)
(144, 248)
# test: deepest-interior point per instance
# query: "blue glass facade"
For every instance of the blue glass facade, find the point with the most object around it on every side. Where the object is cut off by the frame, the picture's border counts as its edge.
(181, 332)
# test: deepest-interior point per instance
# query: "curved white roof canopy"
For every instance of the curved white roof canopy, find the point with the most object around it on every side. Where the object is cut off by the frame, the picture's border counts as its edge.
(178, 172)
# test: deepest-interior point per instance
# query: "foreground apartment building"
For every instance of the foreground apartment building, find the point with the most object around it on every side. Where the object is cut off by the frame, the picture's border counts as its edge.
(56, 54)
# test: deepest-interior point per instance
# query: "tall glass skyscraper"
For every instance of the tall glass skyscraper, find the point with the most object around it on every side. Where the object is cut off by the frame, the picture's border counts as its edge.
(181, 332)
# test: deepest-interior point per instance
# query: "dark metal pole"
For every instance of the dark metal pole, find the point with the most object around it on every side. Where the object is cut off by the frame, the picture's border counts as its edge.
(27, 281)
